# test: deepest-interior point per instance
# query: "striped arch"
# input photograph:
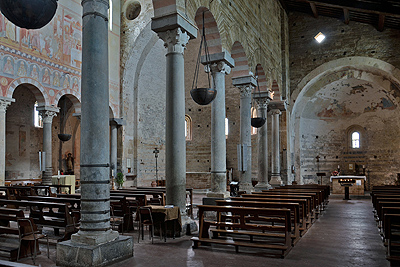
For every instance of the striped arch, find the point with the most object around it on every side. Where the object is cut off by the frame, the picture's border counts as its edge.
(275, 90)
(111, 111)
(241, 62)
(262, 80)
(73, 96)
(212, 33)
(162, 7)
(37, 89)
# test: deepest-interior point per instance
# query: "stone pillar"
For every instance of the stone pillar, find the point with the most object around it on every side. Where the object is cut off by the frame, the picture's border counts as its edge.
(220, 65)
(246, 84)
(47, 113)
(114, 146)
(4, 102)
(175, 31)
(275, 156)
(95, 244)
(262, 143)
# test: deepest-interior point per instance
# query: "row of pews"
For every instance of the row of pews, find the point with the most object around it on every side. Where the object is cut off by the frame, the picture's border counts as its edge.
(386, 205)
(273, 220)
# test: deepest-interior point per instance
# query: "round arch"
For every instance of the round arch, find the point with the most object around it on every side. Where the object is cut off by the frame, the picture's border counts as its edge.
(241, 62)
(73, 96)
(211, 29)
(34, 86)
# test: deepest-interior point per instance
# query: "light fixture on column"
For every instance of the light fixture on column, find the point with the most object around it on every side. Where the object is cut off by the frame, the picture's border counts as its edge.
(29, 14)
(319, 37)
(257, 122)
(203, 96)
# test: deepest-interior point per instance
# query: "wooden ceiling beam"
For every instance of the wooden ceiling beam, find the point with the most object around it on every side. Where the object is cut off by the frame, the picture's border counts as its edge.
(381, 22)
(346, 15)
(357, 6)
(314, 10)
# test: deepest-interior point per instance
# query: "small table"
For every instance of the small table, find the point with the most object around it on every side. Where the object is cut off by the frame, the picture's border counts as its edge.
(165, 214)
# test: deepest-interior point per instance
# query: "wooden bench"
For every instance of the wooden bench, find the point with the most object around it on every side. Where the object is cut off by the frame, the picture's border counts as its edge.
(392, 235)
(53, 215)
(249, 222)
(294, 208)
(7, 216)
(305, 223)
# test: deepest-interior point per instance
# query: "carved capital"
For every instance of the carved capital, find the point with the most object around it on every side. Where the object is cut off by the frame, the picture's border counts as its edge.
(4, 104)
(275, 112)
(245, 90)
(47, 115)
(262, 104)
(175, 40)
(220, 66)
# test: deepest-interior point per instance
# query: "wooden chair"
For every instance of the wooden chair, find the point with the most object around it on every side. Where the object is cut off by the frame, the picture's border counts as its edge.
(146, 219)
(29, 233)
(155, 201)
(116, 221)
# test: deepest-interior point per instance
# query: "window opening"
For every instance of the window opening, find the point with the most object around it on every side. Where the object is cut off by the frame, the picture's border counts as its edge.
(355, 140)
(38, 120)
(188, 128)
(226, 127)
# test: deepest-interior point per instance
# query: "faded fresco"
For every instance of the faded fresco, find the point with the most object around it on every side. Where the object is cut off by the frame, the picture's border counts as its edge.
(51, 56)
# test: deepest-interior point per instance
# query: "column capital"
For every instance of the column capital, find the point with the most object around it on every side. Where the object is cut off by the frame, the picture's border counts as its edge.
(218, 62)
(246, 84)
(5, 102)
(262, 105)
(175, 40)
(47, 113)
(275, 112)
(245, 90)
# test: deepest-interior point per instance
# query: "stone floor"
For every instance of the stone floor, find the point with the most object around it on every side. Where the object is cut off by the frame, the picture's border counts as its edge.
(345, 235)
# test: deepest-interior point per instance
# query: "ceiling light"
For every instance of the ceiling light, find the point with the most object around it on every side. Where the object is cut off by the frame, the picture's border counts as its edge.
(319, 37)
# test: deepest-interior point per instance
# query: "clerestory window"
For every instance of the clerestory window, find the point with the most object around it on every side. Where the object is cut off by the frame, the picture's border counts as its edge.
(355, 140)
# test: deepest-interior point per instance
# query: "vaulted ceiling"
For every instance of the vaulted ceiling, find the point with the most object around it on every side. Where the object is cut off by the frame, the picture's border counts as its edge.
(380, 13)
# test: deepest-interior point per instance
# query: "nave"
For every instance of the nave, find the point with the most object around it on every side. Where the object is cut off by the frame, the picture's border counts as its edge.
(344, 235)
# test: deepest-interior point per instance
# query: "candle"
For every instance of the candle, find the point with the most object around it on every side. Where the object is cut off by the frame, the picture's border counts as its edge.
(112, 172)
(338, 166)
(363, 166)
(58, 172)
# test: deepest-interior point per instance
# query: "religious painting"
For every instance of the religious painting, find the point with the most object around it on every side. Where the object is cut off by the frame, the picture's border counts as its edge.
(46, 76)
(75, 85)
(34, 72)
(66, 82)
(351, 166)
(21, 72)
(8, 66)
(56, 79)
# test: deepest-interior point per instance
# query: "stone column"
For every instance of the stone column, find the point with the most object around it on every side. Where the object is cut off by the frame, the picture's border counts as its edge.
(275, 156)
(95, 244)
(220, 65)
(262, 143)
(246, 84)
(47, 113)
(4, 102)
(175, 31)
(114, 145)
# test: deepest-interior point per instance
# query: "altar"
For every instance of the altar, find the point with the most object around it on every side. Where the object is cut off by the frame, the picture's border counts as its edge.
(356, 189)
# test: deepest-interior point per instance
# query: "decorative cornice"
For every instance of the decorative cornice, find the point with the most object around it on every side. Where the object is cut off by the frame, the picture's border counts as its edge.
(174, 40)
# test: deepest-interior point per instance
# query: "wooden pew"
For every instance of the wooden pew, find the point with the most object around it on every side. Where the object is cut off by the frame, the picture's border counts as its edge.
(53, 215)
(392, 235)
(305, 223)
(7, 216)
(249, 223)
(294, 208)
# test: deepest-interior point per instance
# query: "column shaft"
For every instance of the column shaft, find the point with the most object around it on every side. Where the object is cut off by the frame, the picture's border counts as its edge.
(3, 107)
(275, 154)
(245, 136)
(262, 141)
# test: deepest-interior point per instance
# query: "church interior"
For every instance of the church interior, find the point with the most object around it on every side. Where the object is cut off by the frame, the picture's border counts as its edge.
(267, 125)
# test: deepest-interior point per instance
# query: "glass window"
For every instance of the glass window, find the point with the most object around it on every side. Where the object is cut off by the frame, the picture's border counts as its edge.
(355, 140)
(38, 121)
(226, 127)
(188, 128)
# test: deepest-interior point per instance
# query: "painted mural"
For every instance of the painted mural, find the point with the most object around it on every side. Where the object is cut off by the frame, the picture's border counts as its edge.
(51, 56)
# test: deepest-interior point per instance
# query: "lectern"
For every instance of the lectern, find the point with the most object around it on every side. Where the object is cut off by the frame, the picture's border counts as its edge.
(346, 183)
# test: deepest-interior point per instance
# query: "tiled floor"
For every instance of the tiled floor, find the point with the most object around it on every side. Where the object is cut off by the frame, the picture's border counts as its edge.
(345, 235)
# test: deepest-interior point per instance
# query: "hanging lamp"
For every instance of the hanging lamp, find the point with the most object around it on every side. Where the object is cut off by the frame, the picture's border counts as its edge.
(29, 14)
(202, 96)
(63, 136)
(257, 122)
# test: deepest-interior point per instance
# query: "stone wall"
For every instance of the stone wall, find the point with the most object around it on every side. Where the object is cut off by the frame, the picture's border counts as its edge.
(358, 91)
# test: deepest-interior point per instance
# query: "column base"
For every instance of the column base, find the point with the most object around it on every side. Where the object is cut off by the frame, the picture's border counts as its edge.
(262, 186)
(74, 254)
(46, 178)
(276, 181)
(189, 226)
(225, 194)
(248, 187)
(94, 238)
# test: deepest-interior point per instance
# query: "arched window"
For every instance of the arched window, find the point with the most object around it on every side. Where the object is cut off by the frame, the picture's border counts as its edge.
(253, 115)
(188, 128)
(38, 121)
(226, 127)
(355, 140)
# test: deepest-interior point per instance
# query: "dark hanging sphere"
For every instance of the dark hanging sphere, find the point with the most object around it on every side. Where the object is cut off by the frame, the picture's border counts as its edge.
(257, 122)
(64, 137)
(29, 14)
(203, 96)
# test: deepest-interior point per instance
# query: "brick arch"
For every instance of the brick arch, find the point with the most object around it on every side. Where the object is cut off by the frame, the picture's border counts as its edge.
(73, 96)
(211, 29)
(36, 88)
(275, 90)
(262, 78)
(241, 60)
